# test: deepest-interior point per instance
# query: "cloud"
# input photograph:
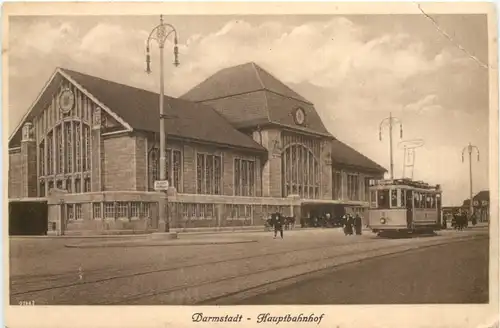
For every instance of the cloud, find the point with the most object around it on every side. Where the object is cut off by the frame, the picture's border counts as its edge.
(43, 39)
(429, 103)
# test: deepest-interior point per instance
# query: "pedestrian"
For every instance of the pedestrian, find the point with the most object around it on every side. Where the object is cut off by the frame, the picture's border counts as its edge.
(465, 220)
(344, 223)
(444, 226)
(461, 218)
(351, 224)
(348, 224)
(278, 224)
(328, 219)
(358, 224)
(474, 219)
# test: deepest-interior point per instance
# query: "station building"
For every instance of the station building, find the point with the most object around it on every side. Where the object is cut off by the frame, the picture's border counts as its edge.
(480, 205)
(240, 145)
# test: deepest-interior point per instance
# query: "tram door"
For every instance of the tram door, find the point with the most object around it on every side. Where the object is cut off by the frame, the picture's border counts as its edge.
(409, 208)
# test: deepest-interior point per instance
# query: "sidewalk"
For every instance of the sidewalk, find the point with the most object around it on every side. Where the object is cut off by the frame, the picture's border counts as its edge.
(219, 231)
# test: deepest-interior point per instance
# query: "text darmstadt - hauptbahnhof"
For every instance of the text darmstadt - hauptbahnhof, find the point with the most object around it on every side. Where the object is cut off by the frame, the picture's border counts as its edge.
(240, 145)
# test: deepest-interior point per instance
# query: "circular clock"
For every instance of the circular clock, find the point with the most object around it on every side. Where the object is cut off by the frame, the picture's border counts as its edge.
(66, 100)
(299, 116)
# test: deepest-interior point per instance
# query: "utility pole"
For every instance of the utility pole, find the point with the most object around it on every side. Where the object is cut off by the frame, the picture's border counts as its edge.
(390, 121)
(470, 149)
(160, 34)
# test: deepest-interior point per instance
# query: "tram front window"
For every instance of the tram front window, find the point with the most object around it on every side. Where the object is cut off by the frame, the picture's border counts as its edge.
(402, 197)
(383, 199)
(394, 198)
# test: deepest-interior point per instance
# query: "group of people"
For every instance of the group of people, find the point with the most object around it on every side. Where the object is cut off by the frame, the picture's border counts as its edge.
(460, 220)
(320, 220)
(352, 224)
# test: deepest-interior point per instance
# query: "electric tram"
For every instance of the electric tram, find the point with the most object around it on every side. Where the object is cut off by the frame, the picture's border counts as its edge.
(404, 206)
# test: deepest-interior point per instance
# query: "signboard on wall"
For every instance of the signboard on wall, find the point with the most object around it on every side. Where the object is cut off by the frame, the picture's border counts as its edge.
(161, 185)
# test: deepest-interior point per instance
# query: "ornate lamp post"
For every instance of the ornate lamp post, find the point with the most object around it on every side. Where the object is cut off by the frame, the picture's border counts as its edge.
(160, 34)
(390, 121)
(470, 149)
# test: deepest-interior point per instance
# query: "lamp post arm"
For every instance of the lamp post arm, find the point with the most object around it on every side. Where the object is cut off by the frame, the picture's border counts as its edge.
(160, 37)
(477, 150)
(463, 154)
(380, 126)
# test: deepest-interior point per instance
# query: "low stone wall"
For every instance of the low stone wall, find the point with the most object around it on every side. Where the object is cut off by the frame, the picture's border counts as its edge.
(140, 212)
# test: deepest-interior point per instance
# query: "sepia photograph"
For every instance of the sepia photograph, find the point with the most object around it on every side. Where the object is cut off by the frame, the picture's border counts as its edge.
(250, 158)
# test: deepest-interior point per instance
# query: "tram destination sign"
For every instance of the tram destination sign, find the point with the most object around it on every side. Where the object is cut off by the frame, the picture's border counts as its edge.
(161, 185)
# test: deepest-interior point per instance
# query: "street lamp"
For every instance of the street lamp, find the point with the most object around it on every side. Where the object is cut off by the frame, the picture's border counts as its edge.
(470, 149)
(160, 34)
(390, 121)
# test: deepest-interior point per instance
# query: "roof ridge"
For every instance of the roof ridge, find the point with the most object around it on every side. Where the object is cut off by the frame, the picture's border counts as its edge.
(297, 96)
(115, 82)
(257, 74)
(254, 65)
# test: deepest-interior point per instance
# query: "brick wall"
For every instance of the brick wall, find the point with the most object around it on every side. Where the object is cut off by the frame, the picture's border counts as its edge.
(15, 171)
(119, 163)
(97, 176)
(28, 165)
(275, 176)
(141, 163)
(271, 171)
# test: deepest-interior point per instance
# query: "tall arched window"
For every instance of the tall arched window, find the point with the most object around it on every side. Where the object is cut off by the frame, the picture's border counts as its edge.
(300, 170)
(64, 145)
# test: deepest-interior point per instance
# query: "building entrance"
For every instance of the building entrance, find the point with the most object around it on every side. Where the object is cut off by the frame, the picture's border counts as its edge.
(315, 215)
(28, 218)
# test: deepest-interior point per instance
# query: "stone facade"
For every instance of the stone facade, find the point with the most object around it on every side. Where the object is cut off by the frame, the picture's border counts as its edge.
(96, 171)
(120, 163)
(15, 179)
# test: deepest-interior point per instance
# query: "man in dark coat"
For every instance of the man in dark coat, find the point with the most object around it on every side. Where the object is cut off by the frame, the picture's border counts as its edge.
(348, 223)
(277, 221)
(461, 220)
(474, 219)
(343, 222)
(358, 224)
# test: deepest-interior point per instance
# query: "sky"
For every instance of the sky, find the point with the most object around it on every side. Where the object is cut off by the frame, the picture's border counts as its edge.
(356, 69)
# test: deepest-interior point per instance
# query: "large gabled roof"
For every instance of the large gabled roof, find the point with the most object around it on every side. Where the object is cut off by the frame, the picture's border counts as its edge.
(240, 79)
(247, 93)
(344, 155)
(139, 108)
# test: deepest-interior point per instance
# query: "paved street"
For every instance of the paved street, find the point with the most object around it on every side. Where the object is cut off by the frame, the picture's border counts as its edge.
(451, 273)
(47, 272)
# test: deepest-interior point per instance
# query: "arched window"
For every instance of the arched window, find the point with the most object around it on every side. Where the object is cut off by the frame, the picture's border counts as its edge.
(300, 170)
(64, 146)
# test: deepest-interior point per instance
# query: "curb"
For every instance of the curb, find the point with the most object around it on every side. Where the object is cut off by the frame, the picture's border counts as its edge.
(180, 233)
(151, 243)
